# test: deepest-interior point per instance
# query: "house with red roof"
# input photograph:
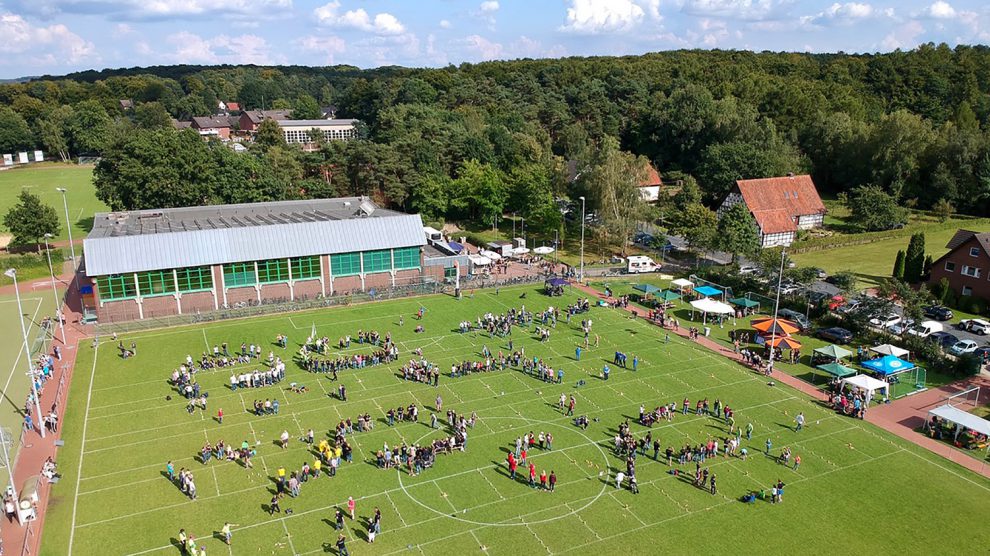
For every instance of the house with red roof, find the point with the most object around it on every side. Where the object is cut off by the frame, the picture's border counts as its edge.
(649, 187)
(780, 206)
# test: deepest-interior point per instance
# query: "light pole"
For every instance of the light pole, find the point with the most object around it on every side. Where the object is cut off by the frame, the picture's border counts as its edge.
(582, 240)
(7, 439)
(776, 307)
(58, 306)
(12, 273)
(68, 227)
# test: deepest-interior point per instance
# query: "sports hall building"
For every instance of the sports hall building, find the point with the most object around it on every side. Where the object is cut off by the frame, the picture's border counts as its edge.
(154, 263)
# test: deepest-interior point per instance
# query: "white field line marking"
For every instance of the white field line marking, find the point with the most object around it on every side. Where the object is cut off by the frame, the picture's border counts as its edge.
(288, 537)
(82, 450)
(20, 352)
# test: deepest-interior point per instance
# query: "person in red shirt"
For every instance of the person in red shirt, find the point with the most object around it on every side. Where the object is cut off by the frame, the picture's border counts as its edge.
(532, 475)
(522, 456)
(543, 479)
(512, 466)
(220, 415)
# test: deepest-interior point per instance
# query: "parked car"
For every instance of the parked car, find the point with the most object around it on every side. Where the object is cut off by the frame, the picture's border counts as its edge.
(983, 353)
(963, 346)
(943, 339)
(749, 269)
(976, 326)
(938, 312)
(790, 288)
(884, 322)
(798, 318)
(836, 335)
(850, 307)
(901, 327)
(926, 328)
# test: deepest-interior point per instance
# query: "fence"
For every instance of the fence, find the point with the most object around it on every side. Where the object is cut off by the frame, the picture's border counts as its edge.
(277, 306)
(699, 281)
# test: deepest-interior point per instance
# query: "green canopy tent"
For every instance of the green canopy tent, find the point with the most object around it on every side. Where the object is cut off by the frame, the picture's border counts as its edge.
(744, 303)
(646, 288)
(667, 295)
(836, 370)
(834, 352)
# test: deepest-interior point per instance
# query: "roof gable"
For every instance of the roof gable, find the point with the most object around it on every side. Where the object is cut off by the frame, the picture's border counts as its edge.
(964, 239)
(777, 203)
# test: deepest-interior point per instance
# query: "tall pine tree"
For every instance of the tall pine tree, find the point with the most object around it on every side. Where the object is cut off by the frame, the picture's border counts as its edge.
(899, 265)
(914, 259)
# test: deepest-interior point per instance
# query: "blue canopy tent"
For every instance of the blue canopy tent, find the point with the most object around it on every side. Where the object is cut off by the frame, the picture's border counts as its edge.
(558, 281)
(708, 291)
(888, 365)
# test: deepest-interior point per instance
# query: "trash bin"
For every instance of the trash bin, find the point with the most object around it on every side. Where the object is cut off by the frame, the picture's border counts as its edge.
(708, 331)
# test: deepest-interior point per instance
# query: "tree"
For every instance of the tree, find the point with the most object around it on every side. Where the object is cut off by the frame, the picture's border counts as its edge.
(874, 209)
(152, 115)
(844, 280)
(306, 108)
(942, 209)
(51, 131)
(30, 219)
(15, 135)
(736, 232)
(269, 135)
(428, 196)
(479, 191)
(898, 272)
(89, 127)
(940, 291)
(611, 181)
(697, 224)
(914, 259)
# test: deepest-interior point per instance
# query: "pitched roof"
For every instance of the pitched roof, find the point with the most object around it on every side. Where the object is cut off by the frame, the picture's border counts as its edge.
(208, 122)
(963, 236)
(233, 106)
(776, 203)
(652, 178)
(257, 116)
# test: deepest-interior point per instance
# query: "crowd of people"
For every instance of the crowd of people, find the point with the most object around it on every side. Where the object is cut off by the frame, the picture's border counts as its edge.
(421, 370)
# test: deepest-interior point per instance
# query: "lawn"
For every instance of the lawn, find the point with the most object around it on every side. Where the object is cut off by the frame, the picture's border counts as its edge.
(42, 179)
(872, 262)
(120, 430)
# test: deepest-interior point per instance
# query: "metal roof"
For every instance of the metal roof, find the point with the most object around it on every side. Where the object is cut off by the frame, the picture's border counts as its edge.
(315, 123)
(198, 236)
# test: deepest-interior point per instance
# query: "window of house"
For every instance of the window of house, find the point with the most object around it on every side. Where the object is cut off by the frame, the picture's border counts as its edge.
(377, 261)
(238, 274)
(304, 268)
(116, 286)
(273, 270)
(950, 266)
(966, 290)
(971, 271)
(406, 257)
(345, 264)
(156, 282)
(196, 278)
(974, 251)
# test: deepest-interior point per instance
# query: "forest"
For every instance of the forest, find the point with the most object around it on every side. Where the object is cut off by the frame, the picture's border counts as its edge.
(474, 141)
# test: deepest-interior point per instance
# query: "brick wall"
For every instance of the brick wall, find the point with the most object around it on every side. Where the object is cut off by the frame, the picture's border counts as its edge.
(118, 311)
(197, 302)
(275, 291)
(380, 281)
(307, 289)
(244, 294)
(351, 284)
(160, 306)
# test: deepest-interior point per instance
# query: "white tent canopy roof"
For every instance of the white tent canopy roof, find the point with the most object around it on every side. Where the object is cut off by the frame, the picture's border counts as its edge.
(682, 283)
(708, 305)
(968, 420)
(888, 349)
(543, 250)
(478, 260)
(490, 254)
(867, 383)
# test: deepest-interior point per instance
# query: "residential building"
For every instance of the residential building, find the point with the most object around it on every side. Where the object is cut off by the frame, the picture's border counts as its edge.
(251, 119)
(218, 126)
(299, 131)
(153, 263)
(780, 206)
(966, 266)
(650, 186)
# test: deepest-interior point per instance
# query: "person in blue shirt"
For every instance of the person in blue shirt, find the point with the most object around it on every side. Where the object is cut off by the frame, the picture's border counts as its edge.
(635, 362)
(606, 371)
(577, 353)
(560, 376)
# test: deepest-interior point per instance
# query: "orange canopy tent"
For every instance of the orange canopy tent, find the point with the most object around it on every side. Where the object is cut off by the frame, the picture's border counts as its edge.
(780, 327)
(784, 343)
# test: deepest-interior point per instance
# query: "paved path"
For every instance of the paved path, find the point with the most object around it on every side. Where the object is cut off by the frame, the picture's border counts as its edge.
(901, 417)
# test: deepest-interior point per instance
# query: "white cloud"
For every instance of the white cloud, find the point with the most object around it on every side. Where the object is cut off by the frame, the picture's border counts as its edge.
(122, 30)
(904, 37)
(489, 6)
(445, 24)
(941, 10)
(191, 48)
(482, 49)
(328, 46)
(602, 16)
(382, 24)
(736, 9)
(846, 14)
(152, 9)
(48, 45)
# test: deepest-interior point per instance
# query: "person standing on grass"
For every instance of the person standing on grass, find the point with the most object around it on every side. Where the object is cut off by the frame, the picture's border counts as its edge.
(438, 403)
(749, 431)
(220, 415)
(338, 518)
(284, 439)
(553, 480)
(342, 544)
(712, 482)
(376, 521)
(511, 460)
(225, 530)
(350, 506)
(769, 446)
(570, 405)
(532, 475)
(170, 471)
(182, 539)
(562, 402)
(799, 421)
(577, 353)
(797, 462)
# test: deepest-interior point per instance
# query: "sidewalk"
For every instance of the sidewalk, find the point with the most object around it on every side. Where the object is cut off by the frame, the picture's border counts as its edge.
(26, 539)
(901, 417)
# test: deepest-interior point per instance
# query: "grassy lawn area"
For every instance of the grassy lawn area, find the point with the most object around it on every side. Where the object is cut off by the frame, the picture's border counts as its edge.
(872, 262)
(42, 179)
(120, 430)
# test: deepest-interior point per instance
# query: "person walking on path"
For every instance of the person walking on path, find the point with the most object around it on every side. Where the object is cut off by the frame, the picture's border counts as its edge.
(350, 506)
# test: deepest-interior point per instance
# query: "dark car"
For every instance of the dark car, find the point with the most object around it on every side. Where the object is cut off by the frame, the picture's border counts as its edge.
(983, 354)
(938, 312)
(943, 339)
(836, 335)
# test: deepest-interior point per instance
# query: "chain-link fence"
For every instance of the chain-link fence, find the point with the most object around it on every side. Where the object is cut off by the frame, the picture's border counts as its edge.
(276, 306)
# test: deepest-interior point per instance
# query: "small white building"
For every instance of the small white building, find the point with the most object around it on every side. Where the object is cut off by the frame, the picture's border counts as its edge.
(298, 131)
(781, 206)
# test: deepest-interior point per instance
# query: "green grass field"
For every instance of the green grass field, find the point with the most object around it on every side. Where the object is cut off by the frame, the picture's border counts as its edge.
(120, 430)
(42, 180)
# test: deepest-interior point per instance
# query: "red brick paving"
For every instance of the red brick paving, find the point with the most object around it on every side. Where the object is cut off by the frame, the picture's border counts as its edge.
(901, 417)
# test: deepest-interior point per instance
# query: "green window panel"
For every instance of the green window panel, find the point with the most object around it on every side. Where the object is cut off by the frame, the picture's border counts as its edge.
(450, 272)
(156, 282)
(345, 264)
(377, 261)
(196, 278)
(406, 257)
(304, 268)
(238, 274)
(273, 270)
(117, 286)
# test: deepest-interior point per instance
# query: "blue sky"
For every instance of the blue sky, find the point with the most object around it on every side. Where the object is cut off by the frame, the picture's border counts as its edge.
(58, 36)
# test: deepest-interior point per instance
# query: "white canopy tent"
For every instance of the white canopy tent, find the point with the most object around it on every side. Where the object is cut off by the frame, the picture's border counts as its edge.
(868, 384)
(708, 305)
(491, 255)
(520, 251)
(478, 260)
(888, 349)
(681, 284)
(543, 250)
(961, 418)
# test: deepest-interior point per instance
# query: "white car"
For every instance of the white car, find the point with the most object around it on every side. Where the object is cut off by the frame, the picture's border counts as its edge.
(926, 328)
(978, 326)
(749, 269)
(963, 347)
(886, 321)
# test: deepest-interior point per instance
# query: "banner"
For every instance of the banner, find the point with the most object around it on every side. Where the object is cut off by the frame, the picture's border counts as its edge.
(8, 160)
(22, 157)
(39, 156)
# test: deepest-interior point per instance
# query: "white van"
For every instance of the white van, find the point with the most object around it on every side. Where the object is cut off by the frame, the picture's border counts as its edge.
(926, 328)
(636, 264)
